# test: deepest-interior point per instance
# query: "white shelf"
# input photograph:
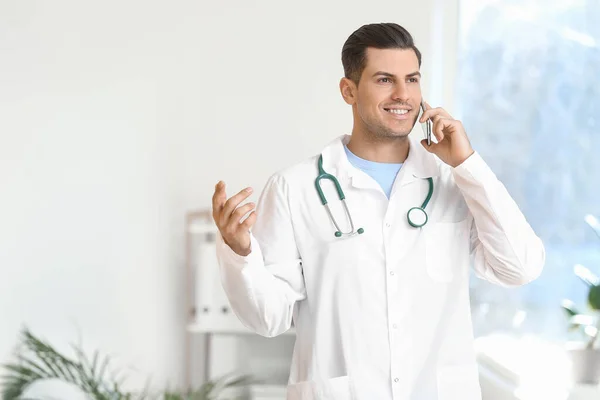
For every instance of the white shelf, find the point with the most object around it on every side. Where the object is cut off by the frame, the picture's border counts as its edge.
(268, 392)
(223, 330)
(200, 228)
(527, 369)
(215, 325)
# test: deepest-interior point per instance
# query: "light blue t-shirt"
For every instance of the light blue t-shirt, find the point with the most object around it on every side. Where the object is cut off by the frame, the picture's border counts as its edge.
(383, 173)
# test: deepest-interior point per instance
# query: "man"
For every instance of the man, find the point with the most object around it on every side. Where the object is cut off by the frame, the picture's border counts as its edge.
(380, 302)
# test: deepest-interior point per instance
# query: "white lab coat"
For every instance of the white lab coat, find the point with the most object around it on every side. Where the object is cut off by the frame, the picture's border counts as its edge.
(383, 315)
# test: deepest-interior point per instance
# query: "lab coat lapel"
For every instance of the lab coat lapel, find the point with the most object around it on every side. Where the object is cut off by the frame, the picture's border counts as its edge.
(410, 190)
(336, 163)
(420, 164)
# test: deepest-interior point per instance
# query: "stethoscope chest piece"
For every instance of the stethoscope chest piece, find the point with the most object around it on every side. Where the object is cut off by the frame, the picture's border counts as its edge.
(417, 217)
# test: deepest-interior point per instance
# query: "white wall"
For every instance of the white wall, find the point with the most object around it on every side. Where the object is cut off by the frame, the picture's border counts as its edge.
(117, 117)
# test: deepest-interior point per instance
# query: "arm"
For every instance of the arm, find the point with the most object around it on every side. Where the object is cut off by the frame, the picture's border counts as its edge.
(505, 248)
(264, 281)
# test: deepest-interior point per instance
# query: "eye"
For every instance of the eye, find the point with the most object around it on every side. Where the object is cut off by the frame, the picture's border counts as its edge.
(413, 80)
(384, 80)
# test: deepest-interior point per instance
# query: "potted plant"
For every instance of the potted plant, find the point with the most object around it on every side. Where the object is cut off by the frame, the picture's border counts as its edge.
(90, 379)
(585, 355)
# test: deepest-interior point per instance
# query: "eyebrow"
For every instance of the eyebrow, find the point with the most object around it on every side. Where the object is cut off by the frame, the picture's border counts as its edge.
(382, 73)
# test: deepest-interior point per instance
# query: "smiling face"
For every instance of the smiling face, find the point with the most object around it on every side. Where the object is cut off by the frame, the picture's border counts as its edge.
(386, 101)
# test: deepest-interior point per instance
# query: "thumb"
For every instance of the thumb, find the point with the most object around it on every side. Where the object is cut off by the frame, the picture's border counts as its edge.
(221, 190)
(219, 198)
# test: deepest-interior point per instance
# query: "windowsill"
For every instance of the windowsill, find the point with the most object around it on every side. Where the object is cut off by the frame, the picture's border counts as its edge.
(527, 368)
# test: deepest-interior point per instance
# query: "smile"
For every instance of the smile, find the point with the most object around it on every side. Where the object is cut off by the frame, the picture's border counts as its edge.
(396, 111)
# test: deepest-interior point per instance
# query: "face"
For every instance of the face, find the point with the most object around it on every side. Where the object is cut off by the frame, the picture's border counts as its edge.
(386, 101)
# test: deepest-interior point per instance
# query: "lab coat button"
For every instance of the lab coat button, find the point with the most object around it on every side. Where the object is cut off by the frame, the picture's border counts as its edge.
(392, 273)
(396, 380)
(394, 326)
(387, 224)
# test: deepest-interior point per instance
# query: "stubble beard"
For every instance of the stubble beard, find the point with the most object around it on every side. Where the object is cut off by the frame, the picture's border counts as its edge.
(377, 131)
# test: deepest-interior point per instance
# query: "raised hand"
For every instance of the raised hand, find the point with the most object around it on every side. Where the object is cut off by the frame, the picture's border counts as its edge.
(227, 214)
(453, 146)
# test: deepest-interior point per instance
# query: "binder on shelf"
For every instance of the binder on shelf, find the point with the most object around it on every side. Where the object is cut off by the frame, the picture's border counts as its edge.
(213, 312)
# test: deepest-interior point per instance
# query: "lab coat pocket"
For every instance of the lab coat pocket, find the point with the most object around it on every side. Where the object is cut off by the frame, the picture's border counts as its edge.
(446, 249)
(330, 389)
(458, 382)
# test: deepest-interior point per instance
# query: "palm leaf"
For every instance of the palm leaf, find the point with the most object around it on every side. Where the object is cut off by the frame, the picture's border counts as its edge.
(212, 389)
(23, 371)
(39, 360)
(14, 387)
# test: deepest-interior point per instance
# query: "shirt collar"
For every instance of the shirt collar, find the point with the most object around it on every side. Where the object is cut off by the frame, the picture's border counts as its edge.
(418, 165)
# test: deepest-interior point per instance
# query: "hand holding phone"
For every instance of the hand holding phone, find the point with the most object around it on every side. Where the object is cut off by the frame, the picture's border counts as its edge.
(427, 125)
(452, 145)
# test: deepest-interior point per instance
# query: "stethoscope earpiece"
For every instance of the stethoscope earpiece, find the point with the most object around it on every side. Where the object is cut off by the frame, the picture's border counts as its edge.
(360, 231)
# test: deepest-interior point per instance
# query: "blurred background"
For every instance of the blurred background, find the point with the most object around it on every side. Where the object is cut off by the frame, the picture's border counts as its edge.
(117, 118)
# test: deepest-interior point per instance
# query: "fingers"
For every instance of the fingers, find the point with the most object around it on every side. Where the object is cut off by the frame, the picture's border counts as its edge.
(248, 222)
(218, 200)
(233, 203)
(228, 215)
(438, 128)
(233, 227)
(237, 215)
(433, 113)
(224, 210)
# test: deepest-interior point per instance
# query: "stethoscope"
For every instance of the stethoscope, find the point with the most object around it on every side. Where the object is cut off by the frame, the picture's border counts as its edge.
(417, 216)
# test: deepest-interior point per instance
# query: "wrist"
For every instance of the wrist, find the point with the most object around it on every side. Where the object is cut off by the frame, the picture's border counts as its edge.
(463, 158)
(239, 250)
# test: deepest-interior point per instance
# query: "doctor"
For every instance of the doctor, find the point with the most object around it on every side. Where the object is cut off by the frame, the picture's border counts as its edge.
(380, 305)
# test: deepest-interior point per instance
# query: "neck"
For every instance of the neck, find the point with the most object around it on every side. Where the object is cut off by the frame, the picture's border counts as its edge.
(383, 150)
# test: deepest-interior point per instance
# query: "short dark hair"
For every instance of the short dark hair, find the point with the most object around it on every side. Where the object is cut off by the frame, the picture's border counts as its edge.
(379, 36)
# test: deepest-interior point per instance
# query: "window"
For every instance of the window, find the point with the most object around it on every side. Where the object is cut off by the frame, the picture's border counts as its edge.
(528, 93)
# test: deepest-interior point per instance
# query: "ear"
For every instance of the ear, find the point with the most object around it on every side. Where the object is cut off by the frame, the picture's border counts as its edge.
(349, 90)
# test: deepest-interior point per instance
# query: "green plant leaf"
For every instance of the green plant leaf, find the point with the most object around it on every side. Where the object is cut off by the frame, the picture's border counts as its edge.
(14, 387)
(33, 366)
(23, 371)
(242, 380)
(39, 360)
(594, 297)
(569, 307)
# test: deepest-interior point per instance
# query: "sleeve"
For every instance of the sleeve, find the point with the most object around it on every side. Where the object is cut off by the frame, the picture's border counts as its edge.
(505, 249)
(264, 286)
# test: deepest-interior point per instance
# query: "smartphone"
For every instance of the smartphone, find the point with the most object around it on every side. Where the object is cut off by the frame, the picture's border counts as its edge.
(427, 125)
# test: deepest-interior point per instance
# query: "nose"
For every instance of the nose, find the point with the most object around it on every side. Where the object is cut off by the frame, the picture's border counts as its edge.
(400, 92)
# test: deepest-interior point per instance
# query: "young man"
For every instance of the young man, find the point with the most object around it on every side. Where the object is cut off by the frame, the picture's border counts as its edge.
(378, 294)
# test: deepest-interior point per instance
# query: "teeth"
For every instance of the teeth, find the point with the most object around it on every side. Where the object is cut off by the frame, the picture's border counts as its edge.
(400, 112)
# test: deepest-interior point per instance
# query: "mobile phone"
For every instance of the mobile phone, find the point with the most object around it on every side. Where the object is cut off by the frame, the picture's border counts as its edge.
(427, 125)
